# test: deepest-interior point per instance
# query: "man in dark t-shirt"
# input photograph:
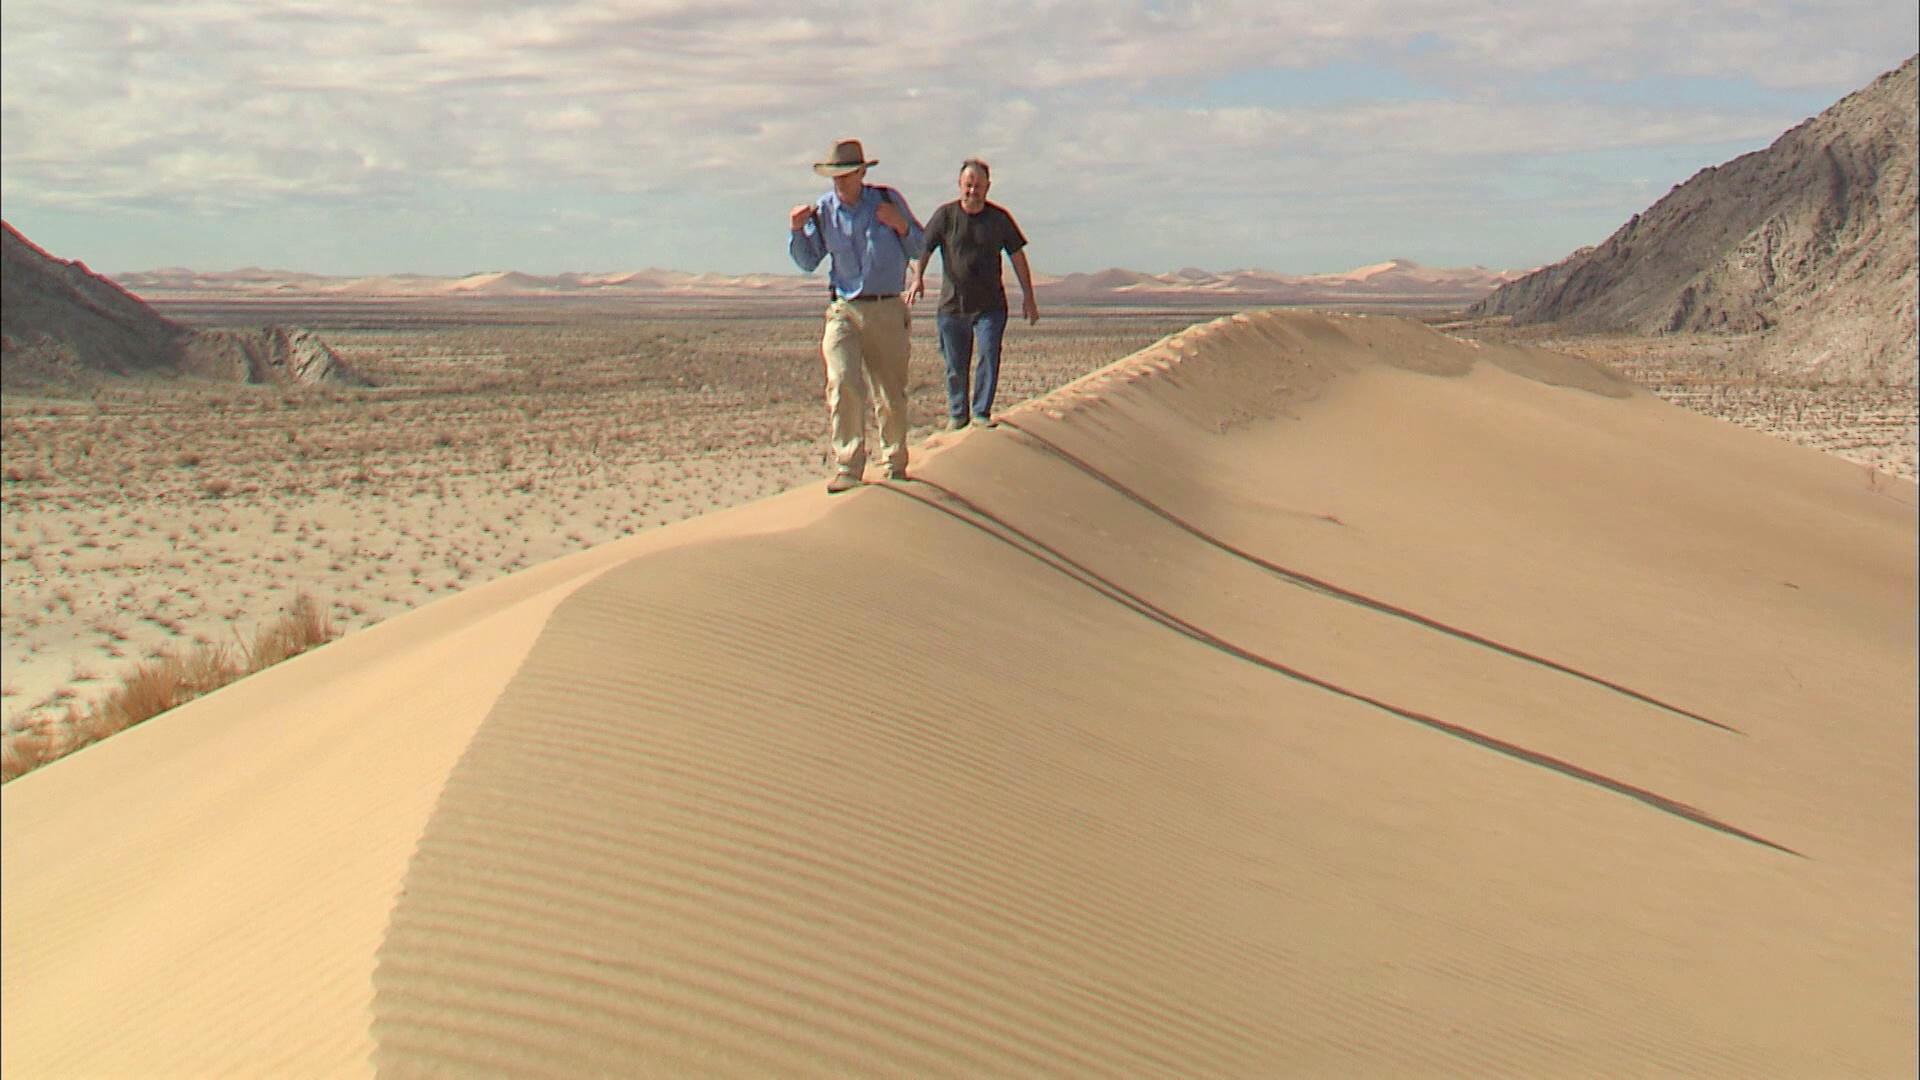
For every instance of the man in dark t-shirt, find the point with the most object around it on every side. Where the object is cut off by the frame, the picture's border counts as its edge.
(970, 233)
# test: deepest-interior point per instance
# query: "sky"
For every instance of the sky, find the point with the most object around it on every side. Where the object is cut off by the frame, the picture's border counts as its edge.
(461, 136)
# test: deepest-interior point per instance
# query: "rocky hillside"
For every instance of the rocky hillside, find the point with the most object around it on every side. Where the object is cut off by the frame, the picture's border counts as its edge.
(1809, 245)
(273, 354)
(63, 327)
(63, 318)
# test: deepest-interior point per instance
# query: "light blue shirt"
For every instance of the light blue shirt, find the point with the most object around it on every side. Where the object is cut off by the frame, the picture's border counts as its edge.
(869, 259)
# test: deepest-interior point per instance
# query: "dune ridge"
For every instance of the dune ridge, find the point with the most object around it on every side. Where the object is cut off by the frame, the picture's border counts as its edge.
(997, 772)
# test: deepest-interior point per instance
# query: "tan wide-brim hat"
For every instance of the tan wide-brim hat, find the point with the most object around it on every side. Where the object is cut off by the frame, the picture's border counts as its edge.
(848, 155)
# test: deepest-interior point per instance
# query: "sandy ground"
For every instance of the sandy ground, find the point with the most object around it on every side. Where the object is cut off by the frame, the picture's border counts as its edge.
(505, 434)
(1874, 426)
(1307, 695)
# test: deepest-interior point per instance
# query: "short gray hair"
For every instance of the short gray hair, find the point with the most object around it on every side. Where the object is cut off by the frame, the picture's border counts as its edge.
(978, 166)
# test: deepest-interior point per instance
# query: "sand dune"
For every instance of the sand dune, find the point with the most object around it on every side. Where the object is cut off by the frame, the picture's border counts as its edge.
(1305, 695)
(1397, 282)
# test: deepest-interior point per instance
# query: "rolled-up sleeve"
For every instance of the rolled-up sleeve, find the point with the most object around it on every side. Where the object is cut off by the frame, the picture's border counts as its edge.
(807, 246)
(915, 241)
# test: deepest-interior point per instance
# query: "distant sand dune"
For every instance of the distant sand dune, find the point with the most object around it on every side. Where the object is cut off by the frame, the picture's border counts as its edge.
(1300, 696)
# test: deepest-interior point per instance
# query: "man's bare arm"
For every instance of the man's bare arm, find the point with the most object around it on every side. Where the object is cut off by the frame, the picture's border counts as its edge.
(1029, 306)
(918, 286)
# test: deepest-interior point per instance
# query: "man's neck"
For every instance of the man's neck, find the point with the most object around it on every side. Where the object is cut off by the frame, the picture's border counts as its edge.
(973, 209)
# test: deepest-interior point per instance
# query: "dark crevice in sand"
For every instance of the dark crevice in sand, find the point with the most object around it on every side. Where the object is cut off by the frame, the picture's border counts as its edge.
(1327, 588)
(1026, 543)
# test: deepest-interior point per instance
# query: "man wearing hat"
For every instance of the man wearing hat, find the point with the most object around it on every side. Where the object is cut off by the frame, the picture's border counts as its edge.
(872, 236)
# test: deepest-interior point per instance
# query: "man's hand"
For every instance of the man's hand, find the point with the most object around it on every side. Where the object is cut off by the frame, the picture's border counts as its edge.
(798, 219)
(890, 216)
(916, 289)
(1030, 309)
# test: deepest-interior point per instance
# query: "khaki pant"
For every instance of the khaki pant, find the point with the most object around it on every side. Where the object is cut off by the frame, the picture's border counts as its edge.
(865, 348)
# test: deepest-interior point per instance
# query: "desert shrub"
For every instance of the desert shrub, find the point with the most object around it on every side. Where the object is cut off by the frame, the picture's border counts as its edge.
(165, 682)
(22, 751)
(161, 683)
(305, 625)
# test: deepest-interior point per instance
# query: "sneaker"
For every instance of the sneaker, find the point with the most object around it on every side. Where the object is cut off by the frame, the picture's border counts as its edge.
(981, 421)
(958, 423)
(842, 482)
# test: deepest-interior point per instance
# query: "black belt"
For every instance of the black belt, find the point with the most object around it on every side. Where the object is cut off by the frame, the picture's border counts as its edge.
(864, 297)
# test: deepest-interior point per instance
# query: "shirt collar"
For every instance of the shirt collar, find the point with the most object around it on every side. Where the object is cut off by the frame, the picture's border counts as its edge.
(834, 194)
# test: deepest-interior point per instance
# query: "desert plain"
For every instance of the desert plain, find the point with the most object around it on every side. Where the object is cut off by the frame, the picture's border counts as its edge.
(173, 516)
(1301, 694)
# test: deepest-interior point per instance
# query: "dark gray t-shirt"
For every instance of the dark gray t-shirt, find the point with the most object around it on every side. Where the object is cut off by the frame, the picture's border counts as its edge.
(970, 247)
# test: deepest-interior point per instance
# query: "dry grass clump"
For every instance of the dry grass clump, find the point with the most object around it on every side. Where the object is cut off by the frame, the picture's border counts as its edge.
(25, 749)
(305, 625)
(163, 682)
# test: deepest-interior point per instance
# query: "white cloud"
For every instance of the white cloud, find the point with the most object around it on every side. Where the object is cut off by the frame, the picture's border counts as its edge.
(1088, 108)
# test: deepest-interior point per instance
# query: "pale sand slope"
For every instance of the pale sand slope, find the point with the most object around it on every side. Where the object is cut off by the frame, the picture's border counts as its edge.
(867, 786)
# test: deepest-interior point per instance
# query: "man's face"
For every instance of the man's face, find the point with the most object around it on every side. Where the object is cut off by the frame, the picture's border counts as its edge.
(848, 186)
(973, 189)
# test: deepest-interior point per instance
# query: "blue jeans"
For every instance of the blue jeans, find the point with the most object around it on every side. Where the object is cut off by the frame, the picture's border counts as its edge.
(959, 335)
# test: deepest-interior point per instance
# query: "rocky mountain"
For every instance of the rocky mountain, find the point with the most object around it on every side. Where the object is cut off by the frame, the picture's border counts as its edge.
(57, 315)
(1808, 245)
(63, 326)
